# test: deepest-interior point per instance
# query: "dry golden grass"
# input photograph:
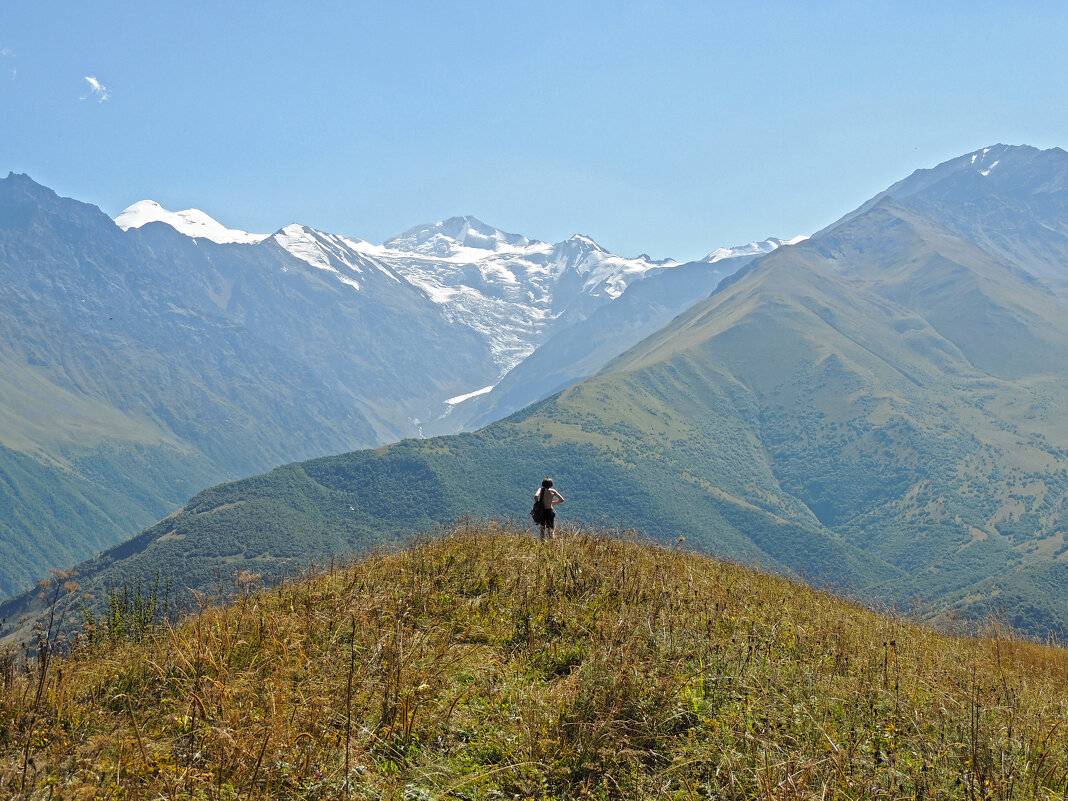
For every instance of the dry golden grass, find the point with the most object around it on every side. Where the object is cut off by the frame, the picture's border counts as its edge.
(482, 664)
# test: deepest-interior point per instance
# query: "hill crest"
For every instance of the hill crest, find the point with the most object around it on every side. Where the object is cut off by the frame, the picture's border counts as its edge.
(482, 664)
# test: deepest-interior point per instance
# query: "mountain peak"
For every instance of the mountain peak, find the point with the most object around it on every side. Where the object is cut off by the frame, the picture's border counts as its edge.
(577, 250)
(585, 242)
(751, 250)
(985, 160)
(22, 198)
(21, 178)
(191, 222)
(1019, 170)
(20, 182)
(448, 237)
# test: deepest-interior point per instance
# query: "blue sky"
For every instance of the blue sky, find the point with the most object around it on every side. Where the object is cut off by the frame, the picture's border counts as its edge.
(670, 128)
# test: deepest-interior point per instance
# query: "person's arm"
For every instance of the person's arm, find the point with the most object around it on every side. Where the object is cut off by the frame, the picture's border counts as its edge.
(557, 499)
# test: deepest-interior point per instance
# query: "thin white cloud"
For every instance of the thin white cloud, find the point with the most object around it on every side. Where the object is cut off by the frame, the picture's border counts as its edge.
(99, 91)
(7, 52)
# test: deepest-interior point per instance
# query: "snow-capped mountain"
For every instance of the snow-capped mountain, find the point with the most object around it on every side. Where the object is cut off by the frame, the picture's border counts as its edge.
(511, 289)
(507, 288)
(515, 264)
(334, 254)
(191, 222)
(580, 344)
(457, 238)
(753, 249)
(513, 293)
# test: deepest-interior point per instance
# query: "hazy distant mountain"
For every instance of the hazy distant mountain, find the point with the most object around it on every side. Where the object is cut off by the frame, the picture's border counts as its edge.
(1009, 200)
(740, 255)
(876, 408)
(142, 365)
(510, 291)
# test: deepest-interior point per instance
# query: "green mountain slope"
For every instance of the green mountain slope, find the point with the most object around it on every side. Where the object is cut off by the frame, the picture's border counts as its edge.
(906, 383)
(273, 524)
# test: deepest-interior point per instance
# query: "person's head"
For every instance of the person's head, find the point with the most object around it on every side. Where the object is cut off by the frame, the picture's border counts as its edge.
(546, 482)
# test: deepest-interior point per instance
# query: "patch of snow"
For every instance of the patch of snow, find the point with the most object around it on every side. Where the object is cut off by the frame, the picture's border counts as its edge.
(350, 281)
(753, 249)
(434, 290)
(329, 252)
(191, 222)
(461, 254)
(366, 248)
(301, 242)
(469, 395)
(386, 272)
(987, 171)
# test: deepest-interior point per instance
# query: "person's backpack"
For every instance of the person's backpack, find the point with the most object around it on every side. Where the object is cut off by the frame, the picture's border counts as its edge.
(537, 514)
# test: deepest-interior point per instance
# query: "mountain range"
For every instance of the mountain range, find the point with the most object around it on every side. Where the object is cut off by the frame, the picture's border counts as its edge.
(148, 357)
(874, 409)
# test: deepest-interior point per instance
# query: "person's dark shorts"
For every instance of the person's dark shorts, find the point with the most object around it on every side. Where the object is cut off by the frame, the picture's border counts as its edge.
(549, 519)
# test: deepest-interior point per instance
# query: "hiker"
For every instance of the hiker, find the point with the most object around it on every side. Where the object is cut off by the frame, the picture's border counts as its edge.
(547, 498)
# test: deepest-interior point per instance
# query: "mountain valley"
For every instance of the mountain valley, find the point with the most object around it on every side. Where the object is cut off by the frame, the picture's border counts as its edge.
(155, 355)
(873, 409)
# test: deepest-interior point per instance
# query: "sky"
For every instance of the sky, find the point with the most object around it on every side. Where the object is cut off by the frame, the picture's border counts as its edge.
(667, 128)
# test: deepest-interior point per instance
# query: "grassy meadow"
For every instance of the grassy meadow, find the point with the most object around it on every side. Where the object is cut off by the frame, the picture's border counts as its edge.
(482, 664)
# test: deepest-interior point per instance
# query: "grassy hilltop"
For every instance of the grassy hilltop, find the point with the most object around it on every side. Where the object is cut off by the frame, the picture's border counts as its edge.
(483, 664)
